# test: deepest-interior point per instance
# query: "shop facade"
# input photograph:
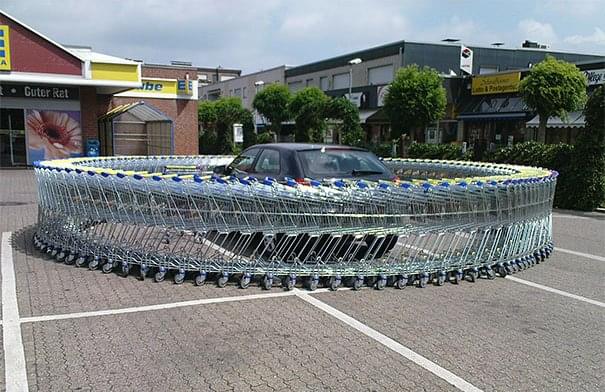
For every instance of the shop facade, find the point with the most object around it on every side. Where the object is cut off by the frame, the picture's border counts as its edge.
(55, 101)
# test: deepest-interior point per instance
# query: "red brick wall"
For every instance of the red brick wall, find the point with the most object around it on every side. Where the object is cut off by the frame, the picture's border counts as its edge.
(31, 53)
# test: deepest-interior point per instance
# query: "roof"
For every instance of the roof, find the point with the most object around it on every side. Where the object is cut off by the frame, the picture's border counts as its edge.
(140, 110)
(87, 54)
(306, 146)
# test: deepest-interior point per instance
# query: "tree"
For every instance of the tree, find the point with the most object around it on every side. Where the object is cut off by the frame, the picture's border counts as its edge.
(350, 129)
(416, 98)
(553, 88)
(589, 156)
(308, 107)
(206, 115)
(228, 112)
(272, 103)
(247, 120)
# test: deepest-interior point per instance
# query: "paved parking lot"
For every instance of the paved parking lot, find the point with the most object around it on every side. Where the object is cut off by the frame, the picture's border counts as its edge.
(67, 328)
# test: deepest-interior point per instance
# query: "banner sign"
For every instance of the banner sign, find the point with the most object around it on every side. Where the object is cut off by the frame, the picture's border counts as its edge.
(238, 133)
(164, 88)
(52, 134)
(355, 98)
(39, 92)
(466, 59)
(595, 76)
(382, 93)
(5, 49)
(496, 84)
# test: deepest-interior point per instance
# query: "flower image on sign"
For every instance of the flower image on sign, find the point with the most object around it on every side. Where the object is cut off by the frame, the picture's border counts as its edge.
(52, 134)
(496, 84)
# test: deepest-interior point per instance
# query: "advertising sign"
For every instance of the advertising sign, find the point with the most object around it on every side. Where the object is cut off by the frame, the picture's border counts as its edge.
(5, 49)
(238, 133)
(496, 84)
(164, 88)
(466, 59)
(52, 134)
(39, 92)
(595, 76)
(93, 147)
(355, 98)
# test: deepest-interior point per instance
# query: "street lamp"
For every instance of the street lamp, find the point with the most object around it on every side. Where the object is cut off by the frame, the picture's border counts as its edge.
(257, 85)
(352, 62)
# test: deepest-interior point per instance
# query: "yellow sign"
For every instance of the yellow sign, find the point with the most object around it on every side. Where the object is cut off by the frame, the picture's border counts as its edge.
(5, 49)
(496, 84)
(110, 71)
(163, 88)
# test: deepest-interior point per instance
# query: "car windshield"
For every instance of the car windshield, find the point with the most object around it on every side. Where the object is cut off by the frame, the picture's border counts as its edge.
(330, 163)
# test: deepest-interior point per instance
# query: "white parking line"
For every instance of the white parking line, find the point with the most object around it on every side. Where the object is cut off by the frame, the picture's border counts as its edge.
(390, 343)
(576, 253)
(15, 374)
(147, 308)
(556, 291)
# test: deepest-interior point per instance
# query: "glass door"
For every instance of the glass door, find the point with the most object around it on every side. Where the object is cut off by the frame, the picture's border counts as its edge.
(13, 151)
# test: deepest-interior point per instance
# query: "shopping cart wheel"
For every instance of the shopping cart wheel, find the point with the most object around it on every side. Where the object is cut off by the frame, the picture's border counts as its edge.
(80, 261)
(472, 274)
(159, 276)
(94, 263)
(124, 270)
(54, 252)
(489, 272)
(381, 282)
(312, 282)
(107, 267)
(501, 270)
(60, 256)
(222, 280)
(200, 279)
(69, 260)
(179, 277)
(334, 282)
(244, 281)
(288, 282)
(423, 280)
(440, 281)
(358, 283)
(267, 281)
(401, 282)
(143, 270)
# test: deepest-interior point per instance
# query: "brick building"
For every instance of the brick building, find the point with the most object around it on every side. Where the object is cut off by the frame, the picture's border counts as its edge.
(58, 101)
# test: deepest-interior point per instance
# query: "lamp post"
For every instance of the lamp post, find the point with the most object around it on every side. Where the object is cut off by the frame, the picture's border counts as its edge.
(352, 62)
(257, 85)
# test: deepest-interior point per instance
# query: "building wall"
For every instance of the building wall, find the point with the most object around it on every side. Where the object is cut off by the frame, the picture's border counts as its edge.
(31, 53)
(228, 88)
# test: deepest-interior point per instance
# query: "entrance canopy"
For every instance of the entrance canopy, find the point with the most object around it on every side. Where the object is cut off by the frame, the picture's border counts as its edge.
(136, 129)
(574, 120)
(490, 108)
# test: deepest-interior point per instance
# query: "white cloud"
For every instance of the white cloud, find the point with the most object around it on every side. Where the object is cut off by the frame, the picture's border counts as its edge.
(597, 38)
(533, 30)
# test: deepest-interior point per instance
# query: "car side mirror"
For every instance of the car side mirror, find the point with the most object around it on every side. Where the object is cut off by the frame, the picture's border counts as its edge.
(221, 169)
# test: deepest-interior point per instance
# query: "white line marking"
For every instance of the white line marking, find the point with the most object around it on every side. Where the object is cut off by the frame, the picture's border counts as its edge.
(147, 308)
(587, 255)
(560, 292)
(15, 373)
(569, 216)
(391, 344)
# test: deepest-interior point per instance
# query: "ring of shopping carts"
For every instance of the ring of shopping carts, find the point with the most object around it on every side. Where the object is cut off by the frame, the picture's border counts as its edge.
(444, 221)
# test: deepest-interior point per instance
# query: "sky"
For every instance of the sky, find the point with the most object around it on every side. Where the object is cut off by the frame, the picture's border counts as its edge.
(255, 35)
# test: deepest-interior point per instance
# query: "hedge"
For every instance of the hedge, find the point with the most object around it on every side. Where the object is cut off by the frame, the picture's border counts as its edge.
(559, 157)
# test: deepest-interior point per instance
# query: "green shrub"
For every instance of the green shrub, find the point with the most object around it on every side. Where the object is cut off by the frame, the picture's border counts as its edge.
(557, 157)
(437, 151)
(382, 150)
(264, 138)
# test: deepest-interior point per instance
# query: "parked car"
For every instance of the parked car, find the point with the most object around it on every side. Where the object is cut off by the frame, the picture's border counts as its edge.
(301, 161)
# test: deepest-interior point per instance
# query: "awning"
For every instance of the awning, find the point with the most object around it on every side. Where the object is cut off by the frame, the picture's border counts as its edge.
(364, 114)
(574, 120)
(491, 108)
